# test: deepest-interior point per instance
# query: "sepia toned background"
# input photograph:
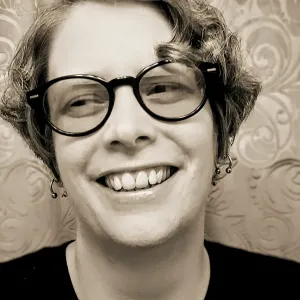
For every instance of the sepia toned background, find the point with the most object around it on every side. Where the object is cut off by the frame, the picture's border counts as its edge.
(256, 208)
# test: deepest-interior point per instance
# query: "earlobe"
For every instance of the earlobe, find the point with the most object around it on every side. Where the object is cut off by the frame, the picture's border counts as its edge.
(53, 193)
(228, 162)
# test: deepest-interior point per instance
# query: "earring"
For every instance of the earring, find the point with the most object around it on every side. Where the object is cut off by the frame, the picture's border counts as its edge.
(216, 177)
(53, 193)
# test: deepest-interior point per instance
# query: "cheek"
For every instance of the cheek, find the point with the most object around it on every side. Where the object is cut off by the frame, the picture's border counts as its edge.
(71, 154)
(202, 153)
(202, 136)
(197, 136)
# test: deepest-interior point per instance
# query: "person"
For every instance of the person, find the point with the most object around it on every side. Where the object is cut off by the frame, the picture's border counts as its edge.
(133, 106)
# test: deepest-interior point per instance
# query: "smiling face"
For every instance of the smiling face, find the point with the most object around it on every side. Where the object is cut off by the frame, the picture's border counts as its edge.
(133, 149)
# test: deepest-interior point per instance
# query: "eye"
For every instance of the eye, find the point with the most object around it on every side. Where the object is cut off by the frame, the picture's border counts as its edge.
(162, 88)
(80, 103)
(86, 105)
(88, 99)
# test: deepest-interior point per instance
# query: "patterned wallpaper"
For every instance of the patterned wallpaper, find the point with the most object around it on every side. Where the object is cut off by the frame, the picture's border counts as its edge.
(257, 207)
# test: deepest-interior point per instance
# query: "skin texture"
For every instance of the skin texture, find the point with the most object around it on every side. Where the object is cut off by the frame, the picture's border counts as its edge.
(150, 247)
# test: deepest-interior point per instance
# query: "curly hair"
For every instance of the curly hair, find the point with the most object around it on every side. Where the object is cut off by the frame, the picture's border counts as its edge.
(200, 34)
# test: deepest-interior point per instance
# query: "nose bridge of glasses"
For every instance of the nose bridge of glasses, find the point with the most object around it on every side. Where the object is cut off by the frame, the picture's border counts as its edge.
(124, 80)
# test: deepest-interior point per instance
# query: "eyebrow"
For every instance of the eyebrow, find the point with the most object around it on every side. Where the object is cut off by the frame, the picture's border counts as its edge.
(80, 85)
(95, 83)
(162, 77)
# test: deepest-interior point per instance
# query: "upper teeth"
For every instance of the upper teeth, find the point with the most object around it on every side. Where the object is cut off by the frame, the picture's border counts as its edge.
(137, 179)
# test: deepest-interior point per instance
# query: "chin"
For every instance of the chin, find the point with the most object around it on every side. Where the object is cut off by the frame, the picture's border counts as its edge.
(141, 233)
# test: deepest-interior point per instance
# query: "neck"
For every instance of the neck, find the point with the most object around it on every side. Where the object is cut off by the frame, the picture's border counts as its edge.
(176, 269)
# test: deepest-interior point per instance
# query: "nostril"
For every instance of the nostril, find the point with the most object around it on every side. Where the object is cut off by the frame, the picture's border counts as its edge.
(143, 138)
(114, 143)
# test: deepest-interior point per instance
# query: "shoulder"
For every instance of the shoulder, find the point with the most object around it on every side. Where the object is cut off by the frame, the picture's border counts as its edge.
(239, 258)
(234, 270)
(33, 273)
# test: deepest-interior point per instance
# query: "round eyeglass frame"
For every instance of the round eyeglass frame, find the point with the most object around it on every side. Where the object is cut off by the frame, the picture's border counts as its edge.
(210, 72)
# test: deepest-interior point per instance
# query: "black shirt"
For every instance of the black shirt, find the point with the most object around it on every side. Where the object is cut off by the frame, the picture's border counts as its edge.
(235, 274)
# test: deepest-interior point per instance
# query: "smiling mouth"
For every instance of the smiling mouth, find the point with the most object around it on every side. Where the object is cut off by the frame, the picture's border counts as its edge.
(137, 180)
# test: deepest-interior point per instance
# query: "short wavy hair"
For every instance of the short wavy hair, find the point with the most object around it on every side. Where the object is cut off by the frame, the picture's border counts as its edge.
(200, 34)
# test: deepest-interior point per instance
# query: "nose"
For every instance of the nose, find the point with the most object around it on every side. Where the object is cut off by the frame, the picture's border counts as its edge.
(129, 127)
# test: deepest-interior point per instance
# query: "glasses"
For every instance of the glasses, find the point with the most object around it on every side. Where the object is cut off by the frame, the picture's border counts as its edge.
(78, 105)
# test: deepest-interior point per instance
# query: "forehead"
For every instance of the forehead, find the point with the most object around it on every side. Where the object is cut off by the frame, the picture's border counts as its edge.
(107, 40)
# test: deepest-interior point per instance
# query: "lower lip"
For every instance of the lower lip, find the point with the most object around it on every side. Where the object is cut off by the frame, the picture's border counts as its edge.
(151, 195)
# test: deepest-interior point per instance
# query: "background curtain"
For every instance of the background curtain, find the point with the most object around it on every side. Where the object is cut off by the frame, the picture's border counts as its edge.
(256, 208)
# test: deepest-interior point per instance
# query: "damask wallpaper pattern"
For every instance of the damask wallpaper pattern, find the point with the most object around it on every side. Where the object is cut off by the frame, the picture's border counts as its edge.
(256, 208)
